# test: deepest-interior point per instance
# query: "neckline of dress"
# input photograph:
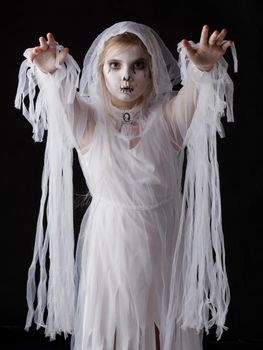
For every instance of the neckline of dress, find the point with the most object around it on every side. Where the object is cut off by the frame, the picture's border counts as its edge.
(126, 116)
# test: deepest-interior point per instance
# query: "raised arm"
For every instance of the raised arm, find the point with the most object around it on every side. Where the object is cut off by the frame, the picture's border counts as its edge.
(180, 109)
(199, 293)
(56, 74)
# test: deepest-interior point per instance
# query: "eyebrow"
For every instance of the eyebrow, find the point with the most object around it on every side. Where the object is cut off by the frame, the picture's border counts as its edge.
(142, 59)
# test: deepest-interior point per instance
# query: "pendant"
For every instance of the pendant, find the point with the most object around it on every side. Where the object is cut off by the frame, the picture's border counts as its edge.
(126, 117)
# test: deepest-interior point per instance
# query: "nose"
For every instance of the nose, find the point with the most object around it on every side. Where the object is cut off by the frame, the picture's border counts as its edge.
(126, 78)
(126, 75)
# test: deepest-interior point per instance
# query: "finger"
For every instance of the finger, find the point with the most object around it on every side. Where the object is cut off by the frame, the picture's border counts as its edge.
(51, 40)
(31, 56)
(63, 54)
(221, 37)
(204, 35)
(43, 43)
(213, 37)
(189, 49)
(34, 52)
(227, 44)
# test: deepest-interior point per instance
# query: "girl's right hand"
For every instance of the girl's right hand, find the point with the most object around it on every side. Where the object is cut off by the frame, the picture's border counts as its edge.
(44, 55)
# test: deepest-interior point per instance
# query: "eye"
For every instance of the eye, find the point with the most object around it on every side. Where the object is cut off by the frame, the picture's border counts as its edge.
(114, 65)
(139, 65)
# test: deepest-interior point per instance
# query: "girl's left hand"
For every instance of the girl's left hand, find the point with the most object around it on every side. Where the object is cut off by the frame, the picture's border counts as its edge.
(209, 50)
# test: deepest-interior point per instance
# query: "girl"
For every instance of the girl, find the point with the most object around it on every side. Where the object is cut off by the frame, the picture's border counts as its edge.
(149, 270)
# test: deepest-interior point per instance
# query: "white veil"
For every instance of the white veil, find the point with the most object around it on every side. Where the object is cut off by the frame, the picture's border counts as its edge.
(165, 69)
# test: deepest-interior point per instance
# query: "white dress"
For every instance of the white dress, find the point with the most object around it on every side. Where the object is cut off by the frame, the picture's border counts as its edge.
(128, 238)
(150, 249)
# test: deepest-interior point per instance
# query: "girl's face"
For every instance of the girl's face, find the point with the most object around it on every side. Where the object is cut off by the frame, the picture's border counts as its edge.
(127, 75)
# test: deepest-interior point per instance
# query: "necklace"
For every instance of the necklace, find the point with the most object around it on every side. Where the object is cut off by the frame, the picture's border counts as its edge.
(126, 116)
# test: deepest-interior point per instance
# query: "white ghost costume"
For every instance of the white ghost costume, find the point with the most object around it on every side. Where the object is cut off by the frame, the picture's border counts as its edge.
(150, 250)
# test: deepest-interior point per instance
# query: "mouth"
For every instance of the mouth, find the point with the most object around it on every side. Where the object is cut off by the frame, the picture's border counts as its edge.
(126, 89)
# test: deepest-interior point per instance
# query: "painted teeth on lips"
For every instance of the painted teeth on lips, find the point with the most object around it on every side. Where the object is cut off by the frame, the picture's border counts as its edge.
(126, 89)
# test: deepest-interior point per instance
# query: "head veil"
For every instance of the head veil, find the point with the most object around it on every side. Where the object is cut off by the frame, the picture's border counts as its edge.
(165, 69)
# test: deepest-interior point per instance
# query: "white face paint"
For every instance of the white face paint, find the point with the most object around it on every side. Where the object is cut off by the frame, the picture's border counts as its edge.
(126, 74)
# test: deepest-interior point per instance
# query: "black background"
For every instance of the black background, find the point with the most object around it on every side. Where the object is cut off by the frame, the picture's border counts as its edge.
(76, 25)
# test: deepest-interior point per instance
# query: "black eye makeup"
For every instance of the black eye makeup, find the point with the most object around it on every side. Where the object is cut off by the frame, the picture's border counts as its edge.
(139, 65)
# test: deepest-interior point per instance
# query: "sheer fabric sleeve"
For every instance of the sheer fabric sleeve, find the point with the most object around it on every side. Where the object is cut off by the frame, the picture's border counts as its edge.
(49, 102)
(179, 110)
(199, 290)
(215, 84)
(38, 92)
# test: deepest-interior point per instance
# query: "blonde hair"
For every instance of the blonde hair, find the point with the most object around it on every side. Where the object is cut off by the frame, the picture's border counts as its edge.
(123, 40)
